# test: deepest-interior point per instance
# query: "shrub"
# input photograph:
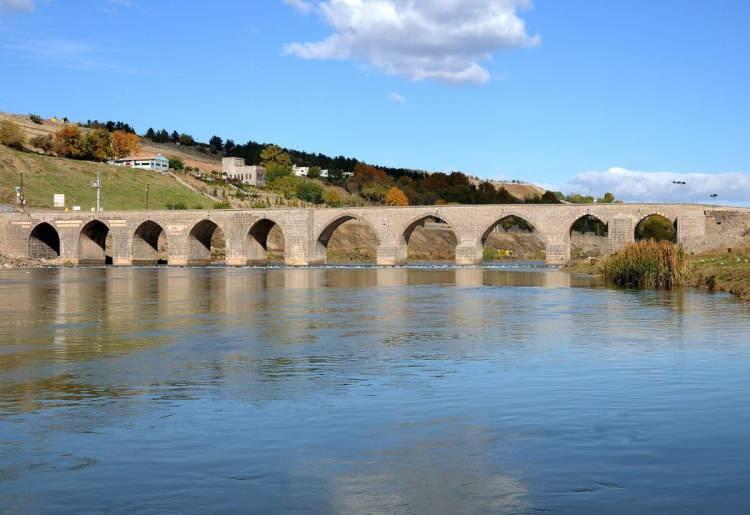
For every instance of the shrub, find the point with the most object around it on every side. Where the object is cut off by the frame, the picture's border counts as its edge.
(333, 198)
(222, 205)
(11, 135)
(648, 264)
(43, 142)
(310, 191)
(489, 254)
(175, 163)
(177, 206)
(36, 119)
(285, 185)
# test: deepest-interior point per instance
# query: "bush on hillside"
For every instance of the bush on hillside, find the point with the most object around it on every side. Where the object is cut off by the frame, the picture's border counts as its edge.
(332, 198)
(36, 119)
(11, 135)
(310, 191)
(175, 163)
(43, 142)
(648, 264)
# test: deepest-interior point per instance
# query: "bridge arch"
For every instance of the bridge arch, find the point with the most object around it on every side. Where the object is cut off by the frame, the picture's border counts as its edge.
(150, 243)
(589, 237)
(656, 226)
(44, 242)
(95, 244)
(427, 223)
(206, 243)
(260, 239)
(325, 235)
(513, 235)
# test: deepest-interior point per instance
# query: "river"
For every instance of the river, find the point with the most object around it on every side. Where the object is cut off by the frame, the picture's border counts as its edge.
(367, 390)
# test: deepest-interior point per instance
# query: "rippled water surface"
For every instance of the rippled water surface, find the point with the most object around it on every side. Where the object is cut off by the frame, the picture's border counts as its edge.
(368, 390)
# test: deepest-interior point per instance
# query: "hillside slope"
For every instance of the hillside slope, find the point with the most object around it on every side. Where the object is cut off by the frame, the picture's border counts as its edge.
(122, 188)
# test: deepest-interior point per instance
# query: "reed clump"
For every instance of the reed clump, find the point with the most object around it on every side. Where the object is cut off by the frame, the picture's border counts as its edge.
(648, 264)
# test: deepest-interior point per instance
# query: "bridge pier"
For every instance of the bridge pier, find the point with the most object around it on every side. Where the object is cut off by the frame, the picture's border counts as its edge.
(391, 255)
(469, 253)
(621, 232)
(557, 252)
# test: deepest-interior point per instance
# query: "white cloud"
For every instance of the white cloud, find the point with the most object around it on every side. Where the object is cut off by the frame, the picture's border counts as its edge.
(444, 40)
(632, 185)
(16, 5)
(397, 97)
(302, 6)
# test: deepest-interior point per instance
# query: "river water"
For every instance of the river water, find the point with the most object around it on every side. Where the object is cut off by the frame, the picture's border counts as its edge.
(410, 390)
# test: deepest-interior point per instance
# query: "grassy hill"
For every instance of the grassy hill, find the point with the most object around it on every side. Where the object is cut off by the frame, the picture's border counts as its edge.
(121, 188)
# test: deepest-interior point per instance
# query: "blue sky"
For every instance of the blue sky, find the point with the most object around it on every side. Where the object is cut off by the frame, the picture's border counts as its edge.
(567, 93)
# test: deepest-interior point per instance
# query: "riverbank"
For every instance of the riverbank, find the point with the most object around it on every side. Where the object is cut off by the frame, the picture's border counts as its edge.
(9, 262)
(711, 272)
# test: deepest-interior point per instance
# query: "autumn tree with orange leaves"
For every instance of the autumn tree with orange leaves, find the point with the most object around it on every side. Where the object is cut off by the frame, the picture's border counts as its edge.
(125, 144)
(396, 197)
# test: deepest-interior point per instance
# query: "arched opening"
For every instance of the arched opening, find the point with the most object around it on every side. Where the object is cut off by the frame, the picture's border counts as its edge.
(430, 239)
(265, 243)
(95, 244)
(149, 244)
(44, 242)
(656, 227)
(513, 237)
(206, 244)
(348, 240)
(589, 237)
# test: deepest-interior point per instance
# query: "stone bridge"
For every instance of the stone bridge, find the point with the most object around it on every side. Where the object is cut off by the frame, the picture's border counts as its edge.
(131, 237)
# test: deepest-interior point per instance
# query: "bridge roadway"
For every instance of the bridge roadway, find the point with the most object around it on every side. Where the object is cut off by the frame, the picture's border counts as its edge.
(128, 237)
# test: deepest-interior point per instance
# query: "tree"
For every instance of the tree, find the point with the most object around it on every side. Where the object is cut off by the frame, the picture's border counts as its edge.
(11, 135)
(97, 145)
(175, 163)
(150, 134)
(285, 185)
(608, 198)
(125, 144)
(314, 172)
(229, 146)
(186, 140)
(275, 171)
(396, 197)
(68, 142)
(174, 137)
(272, 154)
(310, 191)
(216, 144)
(43, 142)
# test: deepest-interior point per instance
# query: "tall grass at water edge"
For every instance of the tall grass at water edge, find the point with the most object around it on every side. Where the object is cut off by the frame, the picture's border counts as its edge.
(648, 264)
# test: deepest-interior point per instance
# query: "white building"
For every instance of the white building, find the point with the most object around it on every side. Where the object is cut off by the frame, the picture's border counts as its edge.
(235, 168)
(157, 162)
(304, 171)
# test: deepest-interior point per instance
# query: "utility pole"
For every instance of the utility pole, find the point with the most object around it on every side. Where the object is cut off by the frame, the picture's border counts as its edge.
(97, 185)
(680, 183)
(147, 187)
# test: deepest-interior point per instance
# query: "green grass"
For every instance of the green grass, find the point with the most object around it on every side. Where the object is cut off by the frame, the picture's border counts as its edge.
(122, 188)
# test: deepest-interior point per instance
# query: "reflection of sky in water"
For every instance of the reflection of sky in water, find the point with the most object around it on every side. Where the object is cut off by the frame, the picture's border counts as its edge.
(408, 390)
